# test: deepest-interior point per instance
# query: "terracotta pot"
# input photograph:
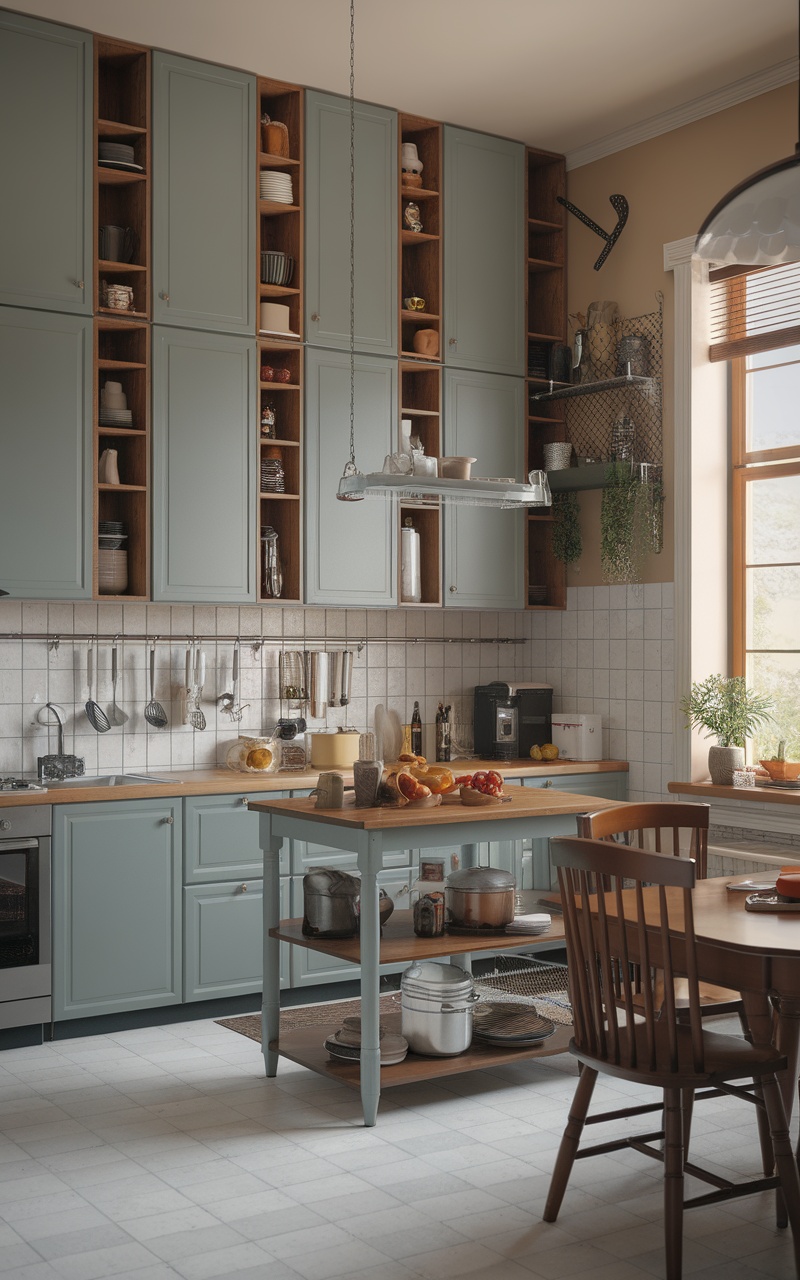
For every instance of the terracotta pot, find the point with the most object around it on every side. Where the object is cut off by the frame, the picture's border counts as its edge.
(781, 770)
(426, 342)
(721, 763)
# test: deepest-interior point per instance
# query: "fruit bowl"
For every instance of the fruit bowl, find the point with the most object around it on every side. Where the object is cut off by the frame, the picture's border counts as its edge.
(781, 770)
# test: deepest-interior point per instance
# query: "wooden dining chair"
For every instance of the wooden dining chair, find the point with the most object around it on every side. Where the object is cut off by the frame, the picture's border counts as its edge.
(680, 829)
(644, 921)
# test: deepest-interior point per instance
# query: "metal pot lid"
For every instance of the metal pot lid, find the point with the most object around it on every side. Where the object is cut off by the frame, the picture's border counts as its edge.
(481, 880)
(436, 975)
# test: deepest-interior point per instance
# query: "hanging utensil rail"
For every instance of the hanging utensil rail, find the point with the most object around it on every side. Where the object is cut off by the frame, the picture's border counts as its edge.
(53, 639)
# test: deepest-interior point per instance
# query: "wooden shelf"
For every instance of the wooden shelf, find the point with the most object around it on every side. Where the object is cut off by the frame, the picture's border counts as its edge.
(279, 386)
(541, 224)
(120, 431)
(118, 177)
(545, 337)
(416, 237)
(419, 315)
(407, 410)
(284, 444)
(120, 364)
(268, 161)
(275, 208)
(117, 129)
(277, 290)
(543, 264)
(418, 193)
(278, 497)
(121, 268)
(122, 488)
(112, 311)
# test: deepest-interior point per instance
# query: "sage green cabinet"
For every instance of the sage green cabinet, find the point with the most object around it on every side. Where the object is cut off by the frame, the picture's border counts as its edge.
(349, 546)
(45, 474)
(223, 939)
(46, 164)
(327, 196)
(204, 454)
(204, 196)
(483, 548)
(537, 872)
(220, 838)
(116, 906)
(484, 253)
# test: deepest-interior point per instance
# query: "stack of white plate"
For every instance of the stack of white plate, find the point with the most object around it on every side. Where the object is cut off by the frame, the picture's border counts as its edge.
(115, 417)
(275, 186)
(537, 922)
(112, 572)
(117, 154)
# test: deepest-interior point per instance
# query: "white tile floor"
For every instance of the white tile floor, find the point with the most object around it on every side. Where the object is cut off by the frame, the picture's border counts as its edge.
(165, 1152)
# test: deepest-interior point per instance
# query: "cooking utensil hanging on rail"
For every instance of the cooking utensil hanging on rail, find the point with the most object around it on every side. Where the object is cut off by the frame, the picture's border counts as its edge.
(117, 715)
(154, 713)
(94, 714)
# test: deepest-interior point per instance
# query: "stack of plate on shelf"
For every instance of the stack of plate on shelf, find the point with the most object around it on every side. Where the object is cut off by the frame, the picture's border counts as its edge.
(345, 1044)
(117, 155)
(276, 268)
(115, 417)
(537, 922)
(509, 1026)
(275, 186)
(111, 541)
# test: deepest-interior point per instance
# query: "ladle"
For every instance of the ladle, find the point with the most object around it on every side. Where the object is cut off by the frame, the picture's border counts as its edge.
(154, 713)
(117, 716)
(94, 714)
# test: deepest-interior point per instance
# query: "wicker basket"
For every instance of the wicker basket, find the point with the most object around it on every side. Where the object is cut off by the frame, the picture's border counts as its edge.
(523, 980)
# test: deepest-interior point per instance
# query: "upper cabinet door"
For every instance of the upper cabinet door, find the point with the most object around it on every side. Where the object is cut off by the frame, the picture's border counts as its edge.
(45, 475)
(483, 549)
(484, 253)
(204, 198)
(327, 266)
(349, 545)
(204, 450)
(46, 165)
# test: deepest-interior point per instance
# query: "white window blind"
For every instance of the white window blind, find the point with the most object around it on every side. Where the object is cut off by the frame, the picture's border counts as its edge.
(756, 310)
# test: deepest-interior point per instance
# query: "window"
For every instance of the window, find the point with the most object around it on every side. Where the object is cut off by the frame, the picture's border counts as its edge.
(757, 317)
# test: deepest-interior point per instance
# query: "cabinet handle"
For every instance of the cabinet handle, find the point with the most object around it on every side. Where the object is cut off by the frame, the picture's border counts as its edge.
(168, 821)
(315, 316)
(548, 782)
(453, 590)
(244, 888)
(245, 801)
(163, 296)
(78, 284)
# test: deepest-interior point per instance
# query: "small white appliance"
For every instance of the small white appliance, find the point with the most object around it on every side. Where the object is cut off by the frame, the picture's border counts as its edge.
(577, 735)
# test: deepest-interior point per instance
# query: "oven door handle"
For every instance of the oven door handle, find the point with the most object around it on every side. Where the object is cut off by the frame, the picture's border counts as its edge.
(11, 846)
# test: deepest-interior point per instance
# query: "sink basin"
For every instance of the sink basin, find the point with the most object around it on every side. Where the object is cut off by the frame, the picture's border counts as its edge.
(109, 780)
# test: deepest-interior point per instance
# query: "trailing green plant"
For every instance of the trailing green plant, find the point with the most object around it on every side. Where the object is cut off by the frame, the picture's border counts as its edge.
(727, 709)
(567, 542)
(617, 524)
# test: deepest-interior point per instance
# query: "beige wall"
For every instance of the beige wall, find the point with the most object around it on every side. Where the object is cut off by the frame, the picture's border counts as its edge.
(671, 183)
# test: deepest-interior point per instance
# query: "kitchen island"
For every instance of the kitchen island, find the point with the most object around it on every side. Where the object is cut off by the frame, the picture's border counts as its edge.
(371, 834)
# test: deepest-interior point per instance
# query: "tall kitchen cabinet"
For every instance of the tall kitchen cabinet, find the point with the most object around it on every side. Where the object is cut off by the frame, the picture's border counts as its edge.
(45, 476)
(484, 286)
(45, 145)
(204, 199)
(116, 906)
(327, 193)
(204, 450)
(350, 546)
(483, 548)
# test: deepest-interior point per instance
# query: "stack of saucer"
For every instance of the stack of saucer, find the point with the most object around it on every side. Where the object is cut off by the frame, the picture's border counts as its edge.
(345, 1044)
(275, 186)
(114, 411)
(537, 922)
(111, 534)
(117, 155)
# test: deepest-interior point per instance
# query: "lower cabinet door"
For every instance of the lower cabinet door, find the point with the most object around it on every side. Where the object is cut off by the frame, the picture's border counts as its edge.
(312, 968)
(222, 939)
(220, 839)
(116, 907)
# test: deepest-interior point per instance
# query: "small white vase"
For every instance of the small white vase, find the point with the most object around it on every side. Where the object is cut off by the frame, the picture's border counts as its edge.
(107, 469)
(721, 763)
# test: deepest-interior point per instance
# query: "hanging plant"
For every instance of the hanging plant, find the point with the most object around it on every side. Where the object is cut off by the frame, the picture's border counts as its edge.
(567, 544)
(620, 559)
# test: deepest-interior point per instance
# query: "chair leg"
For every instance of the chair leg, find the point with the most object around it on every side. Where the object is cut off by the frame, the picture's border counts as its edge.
(570, 1143)
(673, 1182)
(785, 1162)
(687, 1103)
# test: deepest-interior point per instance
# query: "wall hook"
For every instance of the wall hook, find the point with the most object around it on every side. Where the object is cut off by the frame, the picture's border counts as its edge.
(621, 208)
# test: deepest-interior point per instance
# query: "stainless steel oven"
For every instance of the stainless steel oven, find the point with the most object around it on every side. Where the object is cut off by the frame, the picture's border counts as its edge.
(25, 952)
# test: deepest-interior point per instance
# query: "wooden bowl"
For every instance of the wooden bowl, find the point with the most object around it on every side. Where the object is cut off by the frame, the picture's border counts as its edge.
(781, 770)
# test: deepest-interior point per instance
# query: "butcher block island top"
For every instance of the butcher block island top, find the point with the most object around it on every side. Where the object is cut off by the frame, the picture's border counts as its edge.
(209, 782)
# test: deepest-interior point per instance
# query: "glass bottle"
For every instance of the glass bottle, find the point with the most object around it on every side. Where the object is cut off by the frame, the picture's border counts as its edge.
(443, 733)
(416, 731)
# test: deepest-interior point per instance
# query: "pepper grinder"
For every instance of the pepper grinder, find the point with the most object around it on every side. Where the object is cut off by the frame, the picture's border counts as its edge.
(367, 772)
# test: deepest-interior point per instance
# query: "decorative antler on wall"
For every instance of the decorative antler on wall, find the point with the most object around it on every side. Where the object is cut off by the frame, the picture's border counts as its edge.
(620, 205)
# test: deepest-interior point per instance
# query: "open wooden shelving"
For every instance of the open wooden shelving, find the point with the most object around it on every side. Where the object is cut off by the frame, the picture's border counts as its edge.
(546, 312)
(420, 404)
(420, 257)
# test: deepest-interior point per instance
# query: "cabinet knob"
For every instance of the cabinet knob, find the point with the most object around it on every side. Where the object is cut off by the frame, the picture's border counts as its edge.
(548, 782)
(168, 821)
(315, 316)
(245, 801)
(452, 342)
(244, 888)
(453, 590)
(5, 825)
(163, 296)
(78, 284)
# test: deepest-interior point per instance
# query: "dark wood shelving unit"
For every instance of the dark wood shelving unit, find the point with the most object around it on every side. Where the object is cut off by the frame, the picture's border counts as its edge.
(420, 265)
(420, 404)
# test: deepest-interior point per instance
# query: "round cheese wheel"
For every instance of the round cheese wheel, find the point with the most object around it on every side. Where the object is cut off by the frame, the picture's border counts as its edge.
(788, 882)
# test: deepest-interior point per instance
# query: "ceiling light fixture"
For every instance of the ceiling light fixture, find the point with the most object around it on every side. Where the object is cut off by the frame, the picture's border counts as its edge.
(757, 223)
(354, 484)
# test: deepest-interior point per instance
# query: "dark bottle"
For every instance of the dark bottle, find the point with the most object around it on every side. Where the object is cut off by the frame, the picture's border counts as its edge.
(416, 731)
(443, 733)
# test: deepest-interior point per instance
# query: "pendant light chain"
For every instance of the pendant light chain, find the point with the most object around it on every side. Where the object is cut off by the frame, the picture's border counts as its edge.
(352, 234)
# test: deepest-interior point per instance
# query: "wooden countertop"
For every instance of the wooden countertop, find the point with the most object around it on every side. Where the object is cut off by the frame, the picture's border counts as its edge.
(209, 782)
(711, 790)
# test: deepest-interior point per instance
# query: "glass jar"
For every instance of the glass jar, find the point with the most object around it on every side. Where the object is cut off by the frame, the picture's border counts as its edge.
(252, 755)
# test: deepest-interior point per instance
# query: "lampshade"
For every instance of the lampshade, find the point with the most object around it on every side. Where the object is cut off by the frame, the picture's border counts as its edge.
(758, 222)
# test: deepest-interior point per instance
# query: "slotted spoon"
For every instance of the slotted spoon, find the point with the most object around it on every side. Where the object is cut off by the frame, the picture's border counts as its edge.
(154, 713)
(94, 714)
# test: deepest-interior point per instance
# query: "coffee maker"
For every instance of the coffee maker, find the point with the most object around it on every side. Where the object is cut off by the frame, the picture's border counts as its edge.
(510, 718)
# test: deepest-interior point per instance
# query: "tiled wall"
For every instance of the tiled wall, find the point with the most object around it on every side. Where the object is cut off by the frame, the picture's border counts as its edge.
(609, 652)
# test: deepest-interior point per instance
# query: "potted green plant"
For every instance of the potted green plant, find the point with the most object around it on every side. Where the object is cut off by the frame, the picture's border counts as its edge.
(567, 543)
(731, 713)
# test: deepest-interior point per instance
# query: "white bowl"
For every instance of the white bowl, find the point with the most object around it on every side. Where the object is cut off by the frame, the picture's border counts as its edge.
(456, 468)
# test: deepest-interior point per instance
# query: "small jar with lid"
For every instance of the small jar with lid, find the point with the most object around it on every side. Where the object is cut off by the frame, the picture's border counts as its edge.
(268, 422)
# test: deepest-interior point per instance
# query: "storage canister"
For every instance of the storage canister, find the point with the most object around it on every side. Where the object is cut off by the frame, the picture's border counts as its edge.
(436, 1003)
